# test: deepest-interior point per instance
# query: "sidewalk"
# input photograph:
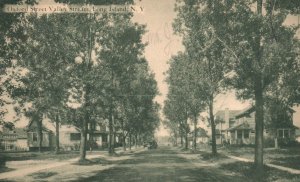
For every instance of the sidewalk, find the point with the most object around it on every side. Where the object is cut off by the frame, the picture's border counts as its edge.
(31, 166)
(290, 170)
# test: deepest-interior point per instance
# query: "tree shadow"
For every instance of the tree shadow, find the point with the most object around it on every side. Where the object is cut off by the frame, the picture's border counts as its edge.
(292, 162)
(43, 175)
(95, 161)
(161, 166)
(247, 169)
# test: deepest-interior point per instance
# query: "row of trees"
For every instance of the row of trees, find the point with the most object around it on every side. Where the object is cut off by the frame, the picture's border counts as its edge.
(81, 69)
(236, 44)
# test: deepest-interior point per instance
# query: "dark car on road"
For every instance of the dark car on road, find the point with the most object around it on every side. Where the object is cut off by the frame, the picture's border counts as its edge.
(152, 145)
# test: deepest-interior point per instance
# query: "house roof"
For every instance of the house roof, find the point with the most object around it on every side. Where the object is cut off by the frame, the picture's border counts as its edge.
(245, 112)
(242, 126)
(32, 127)
(14, 134)
(221, 114)
(68, 128)
(21, 133)
(200, 132)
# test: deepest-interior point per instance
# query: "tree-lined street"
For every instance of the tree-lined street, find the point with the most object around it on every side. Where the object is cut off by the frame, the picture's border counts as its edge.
(163, 164)
(90, 75)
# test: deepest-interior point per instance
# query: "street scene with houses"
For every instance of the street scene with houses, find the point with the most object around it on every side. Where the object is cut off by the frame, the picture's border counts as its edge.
(140, 90)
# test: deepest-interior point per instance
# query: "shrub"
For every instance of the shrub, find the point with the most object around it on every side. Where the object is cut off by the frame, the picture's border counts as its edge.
(269, 142)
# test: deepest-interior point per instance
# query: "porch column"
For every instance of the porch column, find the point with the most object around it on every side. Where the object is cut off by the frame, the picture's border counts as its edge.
(236, 137)
(243, 135)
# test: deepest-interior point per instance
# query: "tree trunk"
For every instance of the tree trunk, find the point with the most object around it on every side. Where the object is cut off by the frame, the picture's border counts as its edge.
(259, 103)
(40, 132)
(83, 140)
(123, 135)
(111, 149)
(136, 140)
(57, 135)
(186, 140)
(195, 134)
(213, 127)
(175, 142)
(129, 141)
(114, 139)
(259, 126)
(90, 130)
(124, 142)
(181, 139)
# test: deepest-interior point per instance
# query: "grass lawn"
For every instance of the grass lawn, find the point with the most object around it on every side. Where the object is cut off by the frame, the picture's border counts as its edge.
(49, 155)
(288, 157)
(270, 174)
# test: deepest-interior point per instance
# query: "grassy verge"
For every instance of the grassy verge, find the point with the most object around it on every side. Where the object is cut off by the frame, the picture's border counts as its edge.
(287, 157)
(246, 169)
(20, 156)
(291, 162)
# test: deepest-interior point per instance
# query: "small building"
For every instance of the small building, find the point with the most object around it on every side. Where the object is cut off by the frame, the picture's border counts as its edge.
(243, 131)
(22, 142)
(201, 138)
(224, 119)
(32, 137)
(98, 133)
(241, 134)
(13, 139)
(70, 136)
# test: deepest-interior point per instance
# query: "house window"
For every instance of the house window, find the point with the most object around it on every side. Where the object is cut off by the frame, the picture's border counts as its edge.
(231, 122)
(34, 137)
(9, 145)
(75, 136)
(246, 133)
(286, 133)
(239, 134)
(98, 128)
(283, 133)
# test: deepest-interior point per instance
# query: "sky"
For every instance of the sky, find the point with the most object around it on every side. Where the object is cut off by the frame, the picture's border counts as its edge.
(162, 43)
(158, 16)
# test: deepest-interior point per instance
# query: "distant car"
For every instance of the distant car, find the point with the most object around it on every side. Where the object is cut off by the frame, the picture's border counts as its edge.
(152, 145)
(145, 144)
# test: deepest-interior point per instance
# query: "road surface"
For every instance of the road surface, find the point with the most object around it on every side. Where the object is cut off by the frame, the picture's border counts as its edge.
(163, 164)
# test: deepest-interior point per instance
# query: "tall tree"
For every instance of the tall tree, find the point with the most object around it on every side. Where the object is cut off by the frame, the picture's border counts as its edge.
(8, 35)
(259, 48)
(182, 88)
(121, 48)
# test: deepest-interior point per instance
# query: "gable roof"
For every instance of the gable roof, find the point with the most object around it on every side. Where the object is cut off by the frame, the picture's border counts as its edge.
(21, 133)
(221, 114)
(245, 112)
(248, 110)
(242, 126)
(31, 127)
(200, 132)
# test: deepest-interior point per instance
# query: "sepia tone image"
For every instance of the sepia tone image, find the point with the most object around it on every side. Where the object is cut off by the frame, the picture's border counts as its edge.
(150, 90)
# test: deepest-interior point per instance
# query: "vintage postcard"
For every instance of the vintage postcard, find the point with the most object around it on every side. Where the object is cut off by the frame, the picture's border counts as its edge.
(150, 90)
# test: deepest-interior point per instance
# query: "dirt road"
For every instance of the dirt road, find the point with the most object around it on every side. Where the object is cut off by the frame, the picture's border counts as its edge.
(165, 164)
